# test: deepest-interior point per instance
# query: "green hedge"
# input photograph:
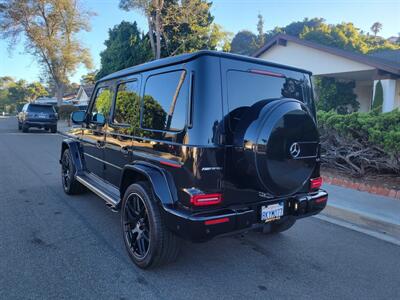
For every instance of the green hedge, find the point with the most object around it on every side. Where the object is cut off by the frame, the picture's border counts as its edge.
(378, 129)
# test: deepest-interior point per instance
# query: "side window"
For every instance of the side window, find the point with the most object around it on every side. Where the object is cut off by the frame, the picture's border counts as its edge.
(126, 110)
(165, 101)
(102, 105)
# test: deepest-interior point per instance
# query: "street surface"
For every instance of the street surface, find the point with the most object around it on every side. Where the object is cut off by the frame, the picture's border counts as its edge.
(54, 246)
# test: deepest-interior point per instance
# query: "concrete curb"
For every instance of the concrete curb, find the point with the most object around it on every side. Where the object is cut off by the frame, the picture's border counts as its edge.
(370, 223)
(370, 188)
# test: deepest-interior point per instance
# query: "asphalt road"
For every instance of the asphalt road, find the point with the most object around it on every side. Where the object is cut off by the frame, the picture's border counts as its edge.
(58, 246)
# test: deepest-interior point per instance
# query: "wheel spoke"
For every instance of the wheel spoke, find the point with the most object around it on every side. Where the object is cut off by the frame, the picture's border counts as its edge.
(136, 206)
(136, 225)
(145, 236)
(131, 216)
(141, 245)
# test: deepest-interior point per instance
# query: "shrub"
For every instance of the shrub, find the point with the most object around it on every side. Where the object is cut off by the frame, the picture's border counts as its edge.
(337, 95)
(378, 97)
(361, 143)
(64, 111)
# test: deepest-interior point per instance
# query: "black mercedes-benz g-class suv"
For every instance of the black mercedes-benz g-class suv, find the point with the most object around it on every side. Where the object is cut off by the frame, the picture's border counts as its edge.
(37, 116)
(196, 146)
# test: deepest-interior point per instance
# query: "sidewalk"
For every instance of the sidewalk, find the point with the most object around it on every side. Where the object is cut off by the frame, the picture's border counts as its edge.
(378, 214)
(62, 126)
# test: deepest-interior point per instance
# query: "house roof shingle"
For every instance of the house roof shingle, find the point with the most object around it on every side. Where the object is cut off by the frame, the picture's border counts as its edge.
(88, 89)
(389, 56)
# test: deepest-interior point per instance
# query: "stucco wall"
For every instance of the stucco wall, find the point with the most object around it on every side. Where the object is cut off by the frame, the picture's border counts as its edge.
(316, 61)
(363, 90)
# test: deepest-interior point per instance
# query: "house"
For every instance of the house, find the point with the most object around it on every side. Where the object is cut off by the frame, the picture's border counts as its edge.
(394, 39)
(365, 70)
(84, 94)
(69, 97)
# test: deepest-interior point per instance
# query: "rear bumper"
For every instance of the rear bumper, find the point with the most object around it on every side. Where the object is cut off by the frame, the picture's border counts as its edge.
(203, 226)
(40, 123)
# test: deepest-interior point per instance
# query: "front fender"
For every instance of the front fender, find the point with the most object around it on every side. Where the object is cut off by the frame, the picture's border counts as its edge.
(74, 148)
(160, 180)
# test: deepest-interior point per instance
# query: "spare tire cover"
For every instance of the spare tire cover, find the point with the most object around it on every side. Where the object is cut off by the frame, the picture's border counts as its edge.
(283, 141)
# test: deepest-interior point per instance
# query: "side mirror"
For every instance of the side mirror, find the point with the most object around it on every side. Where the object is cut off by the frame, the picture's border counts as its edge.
(99, 119)
(78, 117)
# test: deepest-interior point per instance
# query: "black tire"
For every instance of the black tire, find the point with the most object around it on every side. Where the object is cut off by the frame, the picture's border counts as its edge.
(53, 129)
(25, 128)
(278, 226)
(70, 185)
(146, 237)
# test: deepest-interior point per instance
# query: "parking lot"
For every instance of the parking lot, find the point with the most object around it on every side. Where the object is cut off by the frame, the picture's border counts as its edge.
(58, 246)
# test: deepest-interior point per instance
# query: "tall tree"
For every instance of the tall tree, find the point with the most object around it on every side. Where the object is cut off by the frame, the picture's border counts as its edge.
(50, 28)
(244, 42)
(35, 90)
(151, 9)
(376, 27)
(126, 46)
(179, 26)
(260, 30)
(187, 26)
(89, 78)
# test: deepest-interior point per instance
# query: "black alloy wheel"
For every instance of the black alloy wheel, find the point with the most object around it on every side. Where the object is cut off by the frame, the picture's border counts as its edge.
(70, 184)
(147, 239)
(136, 226)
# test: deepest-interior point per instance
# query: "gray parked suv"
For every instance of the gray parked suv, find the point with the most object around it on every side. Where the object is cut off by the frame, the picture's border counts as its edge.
(38, 116)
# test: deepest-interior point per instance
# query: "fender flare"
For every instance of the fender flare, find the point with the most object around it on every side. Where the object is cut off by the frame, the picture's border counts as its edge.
(74, 148)
(161, 181)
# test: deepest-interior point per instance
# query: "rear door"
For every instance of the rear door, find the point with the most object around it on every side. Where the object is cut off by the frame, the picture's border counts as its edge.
(122, 126)
(93, 136)
(247, 87)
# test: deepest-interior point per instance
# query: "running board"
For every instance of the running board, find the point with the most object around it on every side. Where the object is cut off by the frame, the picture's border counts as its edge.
(98, 186)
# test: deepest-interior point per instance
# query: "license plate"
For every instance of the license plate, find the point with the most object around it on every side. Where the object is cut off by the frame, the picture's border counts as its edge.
(42, 116)
(272, 212)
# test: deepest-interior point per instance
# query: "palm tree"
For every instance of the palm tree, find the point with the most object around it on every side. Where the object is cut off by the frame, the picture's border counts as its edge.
(376, 27)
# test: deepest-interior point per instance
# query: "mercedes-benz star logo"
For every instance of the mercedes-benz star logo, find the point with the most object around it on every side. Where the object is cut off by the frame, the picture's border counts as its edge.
(294, 150)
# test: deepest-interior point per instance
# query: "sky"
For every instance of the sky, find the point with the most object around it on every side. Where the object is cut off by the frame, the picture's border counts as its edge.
(233, 15)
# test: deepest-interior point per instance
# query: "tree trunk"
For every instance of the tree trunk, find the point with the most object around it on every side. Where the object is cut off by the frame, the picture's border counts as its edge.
(158, 34)
(59, 94)
(151, 36)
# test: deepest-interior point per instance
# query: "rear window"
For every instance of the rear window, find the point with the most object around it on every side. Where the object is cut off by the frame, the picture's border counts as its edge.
(247, 88)
(40, 108)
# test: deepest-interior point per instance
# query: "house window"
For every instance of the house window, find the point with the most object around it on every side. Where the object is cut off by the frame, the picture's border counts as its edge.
(165, 101)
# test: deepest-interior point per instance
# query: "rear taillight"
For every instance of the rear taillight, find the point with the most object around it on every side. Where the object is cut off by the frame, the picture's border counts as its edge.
(205, 199)
(321, 200)
(216, 221)
(315, 183)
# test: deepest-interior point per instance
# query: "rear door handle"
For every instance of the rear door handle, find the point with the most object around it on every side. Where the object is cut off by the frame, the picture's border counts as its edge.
(100, 144)
(124, 150)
